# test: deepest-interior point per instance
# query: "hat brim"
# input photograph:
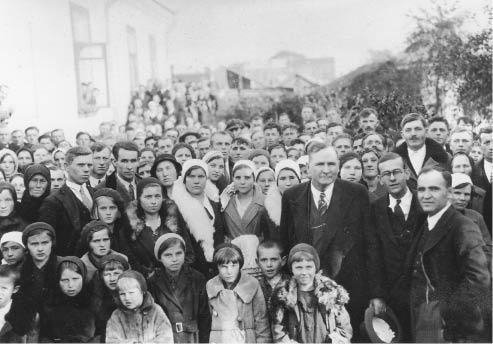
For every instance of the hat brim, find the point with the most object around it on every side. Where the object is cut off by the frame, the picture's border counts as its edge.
(389, 317)
(184, 136)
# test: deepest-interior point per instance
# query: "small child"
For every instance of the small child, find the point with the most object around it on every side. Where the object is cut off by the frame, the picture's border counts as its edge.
(309, 308)
(138, 318)
(180, 291)
(9, 285)
(236, 301)
(271, 263)
(13, 250)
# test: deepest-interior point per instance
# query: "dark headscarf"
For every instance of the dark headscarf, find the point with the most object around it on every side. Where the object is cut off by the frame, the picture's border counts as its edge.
(165, 157)
(29, 207)
(30, 153)
(11, 222)
(82, 298)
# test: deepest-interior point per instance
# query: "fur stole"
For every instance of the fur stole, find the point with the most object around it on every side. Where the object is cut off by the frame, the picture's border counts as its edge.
(211, 191)
(330, 295)
(169, 216)
(272, 204)
(195, 217)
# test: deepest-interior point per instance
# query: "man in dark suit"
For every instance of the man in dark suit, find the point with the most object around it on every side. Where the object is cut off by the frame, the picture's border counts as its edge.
(124, 179)
(482, 173)
(419, 151)
(69, 209)
(447, 258)
(395, 219)
(332, 215)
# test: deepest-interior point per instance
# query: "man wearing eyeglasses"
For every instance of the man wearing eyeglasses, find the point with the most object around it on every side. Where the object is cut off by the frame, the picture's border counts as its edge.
(395, 218)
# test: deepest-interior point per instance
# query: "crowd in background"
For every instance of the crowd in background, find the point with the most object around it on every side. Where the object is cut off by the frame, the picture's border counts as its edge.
(168, 230)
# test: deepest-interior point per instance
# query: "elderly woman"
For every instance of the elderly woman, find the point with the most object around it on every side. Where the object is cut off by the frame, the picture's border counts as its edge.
(25, 158)
(37, 180)
(167, 170)
(152, 215)
(202, 214)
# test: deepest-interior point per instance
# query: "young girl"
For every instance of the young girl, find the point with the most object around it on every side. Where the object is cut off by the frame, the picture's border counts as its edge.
(180, 291)
(69, 317)
(95, 241)
(236, 301)
(265, 178)
(103, 290)
(138, 319)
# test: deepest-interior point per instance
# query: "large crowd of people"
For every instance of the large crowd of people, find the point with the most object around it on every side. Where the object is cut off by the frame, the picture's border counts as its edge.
(170, 231)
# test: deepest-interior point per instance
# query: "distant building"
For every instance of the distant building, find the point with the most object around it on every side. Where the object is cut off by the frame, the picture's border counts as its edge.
(286, 70)
(74, 63)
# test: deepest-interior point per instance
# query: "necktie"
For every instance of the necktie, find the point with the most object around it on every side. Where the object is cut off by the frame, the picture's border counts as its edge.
(86, 200)
(322, 203)
(398, 212)
(131, 191)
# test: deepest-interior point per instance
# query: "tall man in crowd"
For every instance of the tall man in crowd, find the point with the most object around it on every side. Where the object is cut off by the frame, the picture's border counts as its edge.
(448, 259)
(101, 159)
(419, 151)
(69, 209)
(332, 215)
(395, 218)
(461, 140)
(123, 180)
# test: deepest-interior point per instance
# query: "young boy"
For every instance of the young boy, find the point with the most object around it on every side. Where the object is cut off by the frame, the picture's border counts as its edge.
(9, 285)
(138, 319)
(271, 263)
(309, 308)
(13, 250)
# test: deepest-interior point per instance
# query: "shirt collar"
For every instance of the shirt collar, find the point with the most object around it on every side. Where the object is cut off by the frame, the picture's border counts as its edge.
(422, 150)
(316, 193)
(124, 182)
(405, 200)
(433, 219)
(73, 186)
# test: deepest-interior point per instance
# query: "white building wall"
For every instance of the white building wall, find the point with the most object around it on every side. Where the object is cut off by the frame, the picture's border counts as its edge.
(37, 58)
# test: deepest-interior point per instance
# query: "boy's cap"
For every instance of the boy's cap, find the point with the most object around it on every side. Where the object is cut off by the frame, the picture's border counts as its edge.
(136, 276)
(14, 236)
(114, 257)
(34, 226)
(307, 249)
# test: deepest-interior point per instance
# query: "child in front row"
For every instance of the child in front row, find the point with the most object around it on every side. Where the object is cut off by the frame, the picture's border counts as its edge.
(309, 308)
(137, 319)
(271, 261)
(236, 301)
(9, 285)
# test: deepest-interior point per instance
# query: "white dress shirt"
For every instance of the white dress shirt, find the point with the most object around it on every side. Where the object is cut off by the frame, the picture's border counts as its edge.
(76, 189)
(95, 181)
(316, 194)
(127, 185)
(433, 219)
(487, 170)
(405, 202)
(417, 158)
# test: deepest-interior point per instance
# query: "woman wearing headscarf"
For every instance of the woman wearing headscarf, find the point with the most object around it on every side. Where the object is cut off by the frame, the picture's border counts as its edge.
(201, 213)
(152, 215)
(287, 174)
(167, 170)
(8, 162)
(37, 180)
(25, 158)
(10, 220)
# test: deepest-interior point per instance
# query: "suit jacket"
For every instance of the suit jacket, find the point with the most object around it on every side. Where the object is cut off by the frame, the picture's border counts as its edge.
(479, 177)
(455, 262)
(114, 183)
(340, 244)
(386, 253)
(478, 219)
(68, 215)
(435, 155)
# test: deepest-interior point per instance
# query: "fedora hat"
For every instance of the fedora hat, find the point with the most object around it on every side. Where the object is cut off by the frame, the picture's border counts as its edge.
(374, 326)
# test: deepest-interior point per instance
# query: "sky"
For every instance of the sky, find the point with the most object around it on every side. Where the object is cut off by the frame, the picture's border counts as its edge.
(222, 32)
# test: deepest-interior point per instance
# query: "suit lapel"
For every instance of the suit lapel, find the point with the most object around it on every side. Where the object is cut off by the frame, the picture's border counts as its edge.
(383, 220)
(440, 230)
(69, 201)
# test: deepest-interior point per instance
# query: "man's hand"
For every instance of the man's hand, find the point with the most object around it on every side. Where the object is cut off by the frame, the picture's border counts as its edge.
(379, 306)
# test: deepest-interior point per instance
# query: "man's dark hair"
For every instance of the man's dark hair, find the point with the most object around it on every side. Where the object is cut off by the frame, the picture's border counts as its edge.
(411, 117)
(147, 139)
(98, 147)
(7, 271)
(45, 136)
(76, 151)
(203, 139)
(278, 146)
(241, 141)
(466, 120)
(439, 119)
(366, 112)
(272, 125)
(269, 243)
(289, 126)
(181, 145)
(318, 131)
(315, 147)
(126, 145)
(384, 141)
(487, 130)
(332, 125)
(391, 156)
(80, 133)
(295, 141)
(447, 176)
(31, 128)
(343, 136)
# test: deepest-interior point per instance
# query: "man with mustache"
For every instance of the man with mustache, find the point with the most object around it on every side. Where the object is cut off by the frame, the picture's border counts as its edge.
(418, 151)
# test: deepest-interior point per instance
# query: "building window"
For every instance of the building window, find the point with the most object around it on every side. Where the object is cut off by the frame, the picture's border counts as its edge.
(153, 56)
(90, 64)
(132, 57)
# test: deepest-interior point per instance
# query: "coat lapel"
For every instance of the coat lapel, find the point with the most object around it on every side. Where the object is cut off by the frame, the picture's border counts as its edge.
(164, 285)
(383, 220)
(440, 230)
(69, 201)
